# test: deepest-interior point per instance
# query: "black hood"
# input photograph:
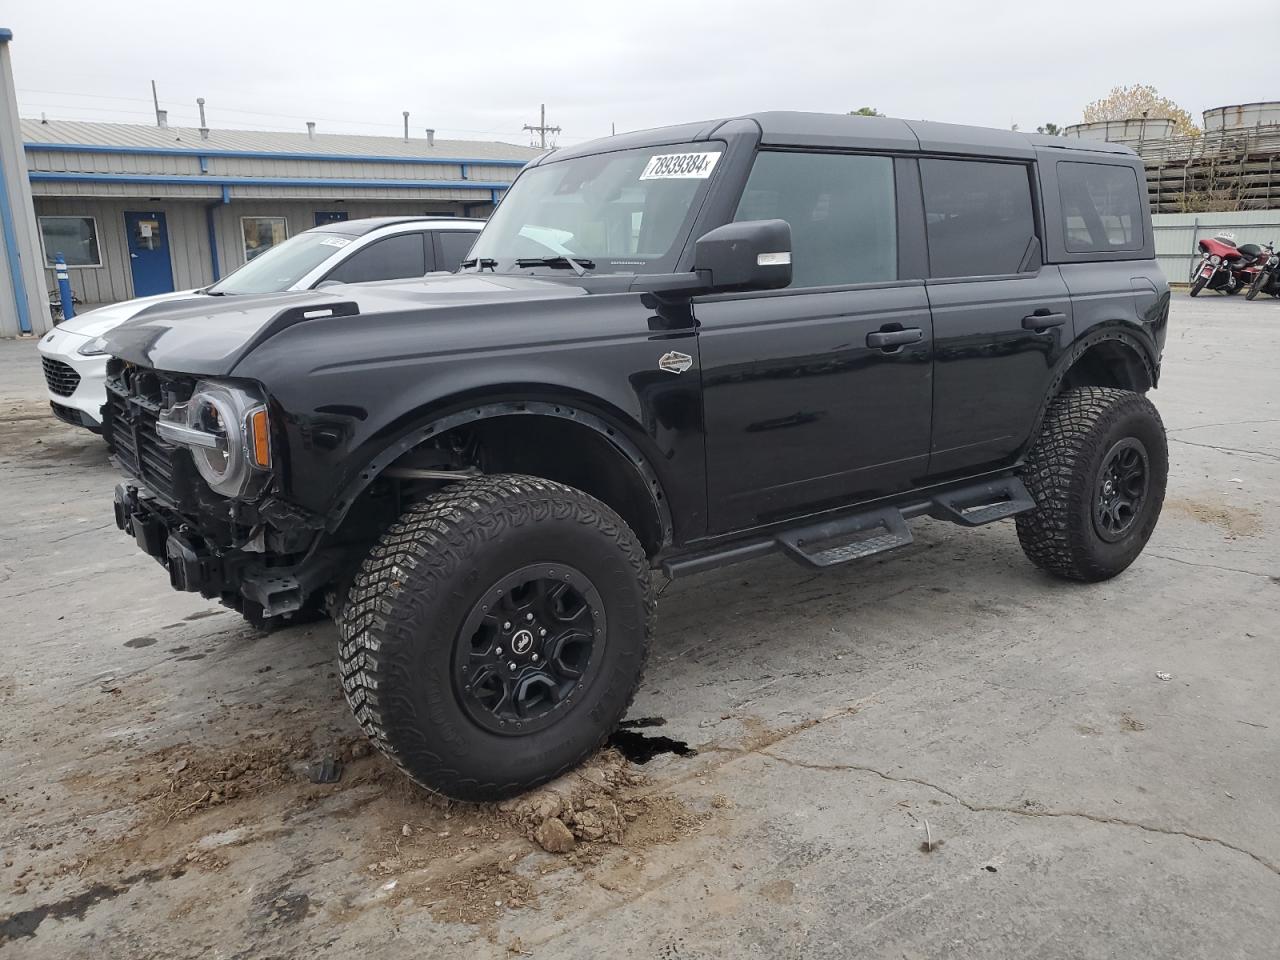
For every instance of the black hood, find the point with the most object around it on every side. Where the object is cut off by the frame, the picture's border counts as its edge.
(210, 336)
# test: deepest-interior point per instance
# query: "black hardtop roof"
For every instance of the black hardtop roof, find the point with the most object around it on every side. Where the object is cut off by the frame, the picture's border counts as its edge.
(358, 228)
(836, 130)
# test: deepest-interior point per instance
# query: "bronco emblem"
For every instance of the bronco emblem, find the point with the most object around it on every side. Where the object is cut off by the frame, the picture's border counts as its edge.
(675, 362)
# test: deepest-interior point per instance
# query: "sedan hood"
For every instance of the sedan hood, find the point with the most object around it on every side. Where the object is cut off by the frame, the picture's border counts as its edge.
(94, 323)
(210, 335)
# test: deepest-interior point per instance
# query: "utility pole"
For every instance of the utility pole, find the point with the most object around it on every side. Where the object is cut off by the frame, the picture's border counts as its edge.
(541, 129)
(155, 100)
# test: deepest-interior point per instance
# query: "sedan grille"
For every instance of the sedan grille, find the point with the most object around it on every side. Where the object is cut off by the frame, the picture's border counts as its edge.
(61, 377)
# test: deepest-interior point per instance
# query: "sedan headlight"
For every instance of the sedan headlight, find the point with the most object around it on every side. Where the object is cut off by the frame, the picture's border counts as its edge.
(97, 347)
(226, 428)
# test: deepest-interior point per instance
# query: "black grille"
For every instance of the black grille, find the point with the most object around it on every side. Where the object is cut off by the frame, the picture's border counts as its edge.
(132, 425)
(61, 377)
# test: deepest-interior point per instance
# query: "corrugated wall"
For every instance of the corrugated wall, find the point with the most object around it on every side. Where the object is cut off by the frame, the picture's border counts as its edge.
(1176, 235)
(189, 235)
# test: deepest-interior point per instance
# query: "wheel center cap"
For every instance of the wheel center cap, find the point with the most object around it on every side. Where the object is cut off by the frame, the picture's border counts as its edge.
(521, 641)
(1108, 487)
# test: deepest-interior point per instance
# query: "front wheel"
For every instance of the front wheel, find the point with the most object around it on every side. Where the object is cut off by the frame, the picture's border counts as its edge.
(495, 635)
(1097, 473)
(1259, 282)
(1198, 284)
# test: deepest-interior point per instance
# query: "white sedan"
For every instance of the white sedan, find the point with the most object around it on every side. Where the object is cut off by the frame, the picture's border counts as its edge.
(352, 251)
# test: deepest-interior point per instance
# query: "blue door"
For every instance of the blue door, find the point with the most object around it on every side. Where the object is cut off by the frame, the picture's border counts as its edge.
(149, 253)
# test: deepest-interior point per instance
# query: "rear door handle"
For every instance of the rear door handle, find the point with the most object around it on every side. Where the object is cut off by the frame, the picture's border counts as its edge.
(887, 339)
(1043, 320)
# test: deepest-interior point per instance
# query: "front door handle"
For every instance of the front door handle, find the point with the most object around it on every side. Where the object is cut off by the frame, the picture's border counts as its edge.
(1043, 320)
(889, 339)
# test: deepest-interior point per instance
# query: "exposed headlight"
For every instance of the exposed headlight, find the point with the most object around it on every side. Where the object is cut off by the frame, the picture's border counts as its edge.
(227, 431)
(97, 347)
(1273, 261)
(1215, 259)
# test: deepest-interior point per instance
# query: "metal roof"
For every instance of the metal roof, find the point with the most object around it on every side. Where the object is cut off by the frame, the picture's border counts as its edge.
(141, 136)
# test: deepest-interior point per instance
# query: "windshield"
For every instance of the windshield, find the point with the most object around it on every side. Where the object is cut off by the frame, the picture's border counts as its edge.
(621, 212)
(283, 265)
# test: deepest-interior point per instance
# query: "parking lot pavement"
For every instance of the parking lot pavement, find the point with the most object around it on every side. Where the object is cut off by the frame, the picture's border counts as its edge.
(943, 753)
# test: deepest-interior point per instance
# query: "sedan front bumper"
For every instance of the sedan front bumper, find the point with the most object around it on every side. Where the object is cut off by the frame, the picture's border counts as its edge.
(76, 384)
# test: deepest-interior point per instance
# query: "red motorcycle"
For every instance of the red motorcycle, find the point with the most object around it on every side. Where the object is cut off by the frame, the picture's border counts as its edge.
(1223, 266)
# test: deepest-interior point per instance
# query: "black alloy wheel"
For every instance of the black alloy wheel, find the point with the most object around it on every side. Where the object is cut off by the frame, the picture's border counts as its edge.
(532, 642)
(1121, 489)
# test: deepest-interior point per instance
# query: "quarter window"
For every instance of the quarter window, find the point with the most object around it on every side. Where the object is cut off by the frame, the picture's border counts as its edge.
(261, 234)
(391, 259)
(841, 209)
(979, 217)
(76, 238)
(1101, 207)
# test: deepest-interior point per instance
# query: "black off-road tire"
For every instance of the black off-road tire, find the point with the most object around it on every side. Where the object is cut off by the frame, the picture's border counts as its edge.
(406, 607)
(1063, 472)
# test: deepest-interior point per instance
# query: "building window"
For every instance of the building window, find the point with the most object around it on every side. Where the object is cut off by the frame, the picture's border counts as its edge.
(76, 238)
(261, 234)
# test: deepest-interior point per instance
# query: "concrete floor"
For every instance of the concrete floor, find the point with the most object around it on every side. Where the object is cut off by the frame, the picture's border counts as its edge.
(1079, 805)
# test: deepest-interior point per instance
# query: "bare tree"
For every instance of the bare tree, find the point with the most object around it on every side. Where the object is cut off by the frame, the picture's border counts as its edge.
(1140, 100)
(1050, 129)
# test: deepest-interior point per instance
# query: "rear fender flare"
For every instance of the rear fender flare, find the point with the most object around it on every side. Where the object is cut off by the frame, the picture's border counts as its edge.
(1139, 352)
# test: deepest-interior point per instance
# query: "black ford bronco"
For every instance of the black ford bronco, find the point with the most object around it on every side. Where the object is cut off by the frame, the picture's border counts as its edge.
(667, 351)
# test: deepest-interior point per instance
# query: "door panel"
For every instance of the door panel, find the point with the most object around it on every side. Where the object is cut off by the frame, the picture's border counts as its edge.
(801, 414)
(149, 261)
(990, 370)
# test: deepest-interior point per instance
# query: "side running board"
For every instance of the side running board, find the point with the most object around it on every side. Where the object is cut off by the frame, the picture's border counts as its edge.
(860, 535)
(848, 538)
(854, 536)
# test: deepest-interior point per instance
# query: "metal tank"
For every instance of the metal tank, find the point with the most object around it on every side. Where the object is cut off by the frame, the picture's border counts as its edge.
(1131, 132)
(1242, 116)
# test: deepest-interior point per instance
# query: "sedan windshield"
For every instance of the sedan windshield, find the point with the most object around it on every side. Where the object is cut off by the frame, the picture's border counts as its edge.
(622, 212)
(283, 265)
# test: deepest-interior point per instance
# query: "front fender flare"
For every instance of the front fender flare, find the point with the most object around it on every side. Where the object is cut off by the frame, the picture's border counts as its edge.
(484, 411)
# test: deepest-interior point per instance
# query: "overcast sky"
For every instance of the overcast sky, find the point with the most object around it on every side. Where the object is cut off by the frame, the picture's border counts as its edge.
(479, 70)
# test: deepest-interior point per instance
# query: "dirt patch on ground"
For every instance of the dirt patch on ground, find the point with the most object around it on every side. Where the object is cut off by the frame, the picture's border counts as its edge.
(1236, 521)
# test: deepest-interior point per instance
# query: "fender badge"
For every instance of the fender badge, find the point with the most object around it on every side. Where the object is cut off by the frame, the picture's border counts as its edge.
(674, 362)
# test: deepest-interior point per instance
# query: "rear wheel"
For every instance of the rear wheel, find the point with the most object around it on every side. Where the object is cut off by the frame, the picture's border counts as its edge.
(496, 635)
(1097, 473)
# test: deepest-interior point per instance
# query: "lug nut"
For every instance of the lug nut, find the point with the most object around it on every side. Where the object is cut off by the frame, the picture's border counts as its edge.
(506, 625)
(535, 658)
(528, 616)
(498, 652)
(542, 632)
(512, 664)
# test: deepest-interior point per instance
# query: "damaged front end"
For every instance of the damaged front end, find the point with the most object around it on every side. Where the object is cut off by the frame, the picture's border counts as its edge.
(201, 491)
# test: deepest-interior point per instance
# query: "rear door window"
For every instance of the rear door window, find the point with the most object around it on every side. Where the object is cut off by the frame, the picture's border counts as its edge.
(394, 258)
(979, 217)
(842, 211)
(1101, 207)
(451, 247)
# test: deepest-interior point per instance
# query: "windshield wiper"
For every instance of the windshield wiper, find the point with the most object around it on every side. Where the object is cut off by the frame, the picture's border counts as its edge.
(483, 262)
(579, 266)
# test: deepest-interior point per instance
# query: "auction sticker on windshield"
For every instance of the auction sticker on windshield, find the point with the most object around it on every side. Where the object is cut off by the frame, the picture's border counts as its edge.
(680, 166)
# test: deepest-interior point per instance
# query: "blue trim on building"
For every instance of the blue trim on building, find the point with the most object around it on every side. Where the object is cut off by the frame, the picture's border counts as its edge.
(261, 155)
(45, 176)
(11, 254)
(5, 34)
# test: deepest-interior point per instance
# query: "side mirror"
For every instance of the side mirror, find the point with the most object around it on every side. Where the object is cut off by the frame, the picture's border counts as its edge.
(749, 255)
